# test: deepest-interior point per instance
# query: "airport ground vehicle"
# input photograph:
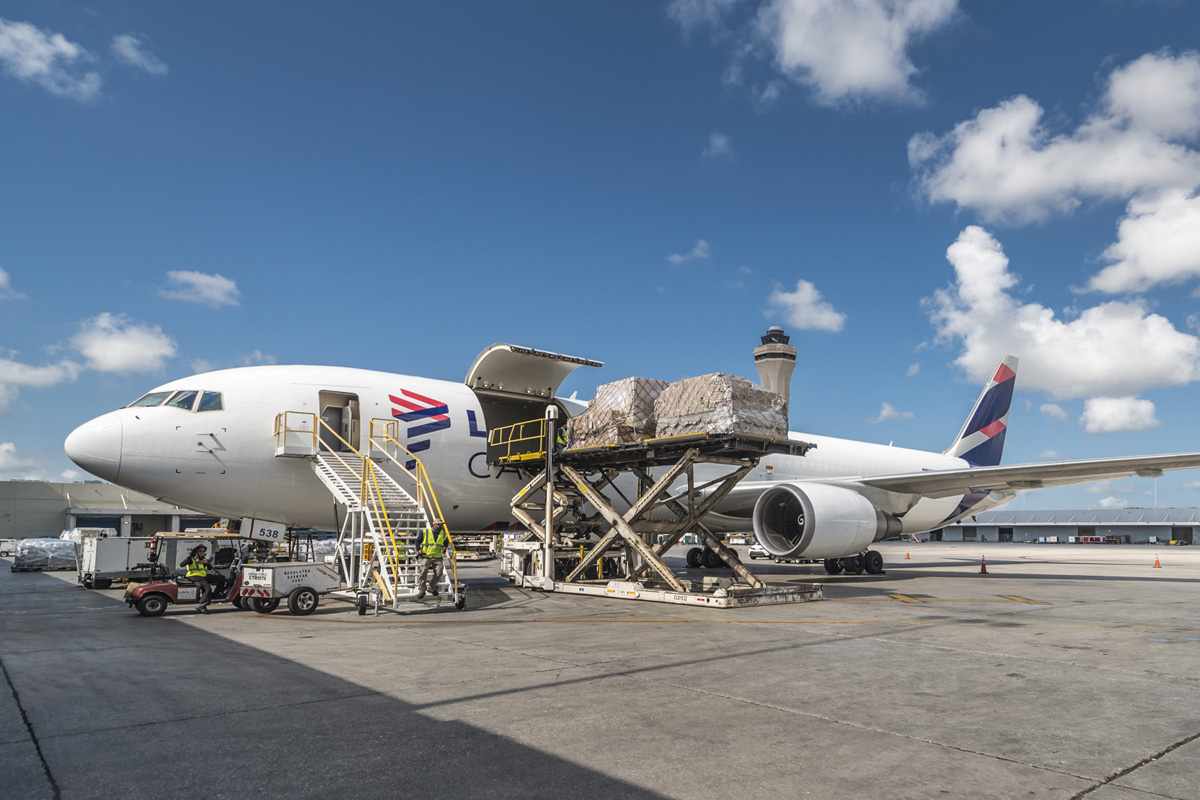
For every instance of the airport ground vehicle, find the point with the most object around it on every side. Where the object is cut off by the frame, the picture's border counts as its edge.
(301, 583)
(8, 547)
(757, 551)
(105, 560)
(164, 588)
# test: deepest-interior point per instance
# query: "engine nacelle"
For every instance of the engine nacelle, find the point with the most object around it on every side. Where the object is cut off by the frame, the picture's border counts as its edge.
(818, 520)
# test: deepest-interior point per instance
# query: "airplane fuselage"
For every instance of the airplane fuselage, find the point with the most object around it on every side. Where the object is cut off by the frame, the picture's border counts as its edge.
(224, 461)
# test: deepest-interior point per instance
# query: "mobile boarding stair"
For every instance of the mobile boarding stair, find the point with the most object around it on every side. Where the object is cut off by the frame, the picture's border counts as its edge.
(378, 547)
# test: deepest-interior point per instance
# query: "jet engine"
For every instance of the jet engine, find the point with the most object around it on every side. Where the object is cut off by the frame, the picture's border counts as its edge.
(818, 520)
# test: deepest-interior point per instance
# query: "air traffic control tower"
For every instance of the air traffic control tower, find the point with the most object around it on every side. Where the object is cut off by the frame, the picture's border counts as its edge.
(775, 359)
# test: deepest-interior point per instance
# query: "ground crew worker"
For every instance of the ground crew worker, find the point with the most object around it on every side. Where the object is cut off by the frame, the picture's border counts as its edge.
(197, 570)
(433, 547)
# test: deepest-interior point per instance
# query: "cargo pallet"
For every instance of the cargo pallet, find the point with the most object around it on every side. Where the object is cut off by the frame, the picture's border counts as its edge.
(569, 478)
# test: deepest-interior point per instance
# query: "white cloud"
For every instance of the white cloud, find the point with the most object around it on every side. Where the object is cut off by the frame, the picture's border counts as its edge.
(690, 14)
(1053, 410)
(69, 475)
(12, 465)
(1111, 502)
(805, 308)
(1111, 414)
(1159, 93)
(1112, 349)
(131, 50)
(1192, 485)
(1158, 241)
(15, 375)
(1005, 164)
(851, 49)
(47, 59)
(699, 252)
(1048, 455)
(112, 343)
(202, 365)
(190, 286)
(913, 370)
(887, 411)
(257, 357)
(719, 144)
(7, 292)
(840, 50)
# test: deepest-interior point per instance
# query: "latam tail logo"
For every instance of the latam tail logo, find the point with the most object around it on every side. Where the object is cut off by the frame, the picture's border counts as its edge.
(981, 440)
(429, 414)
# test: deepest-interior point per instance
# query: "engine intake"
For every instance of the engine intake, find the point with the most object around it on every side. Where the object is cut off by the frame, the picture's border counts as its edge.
(817, 520)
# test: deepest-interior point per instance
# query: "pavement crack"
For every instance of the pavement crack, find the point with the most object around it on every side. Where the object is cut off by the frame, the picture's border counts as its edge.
(216, 715)
(1150, 759)
(874, 729)
(55, 792)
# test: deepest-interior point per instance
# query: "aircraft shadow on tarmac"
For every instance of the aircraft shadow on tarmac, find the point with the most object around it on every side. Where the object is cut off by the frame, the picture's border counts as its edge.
(113, 701)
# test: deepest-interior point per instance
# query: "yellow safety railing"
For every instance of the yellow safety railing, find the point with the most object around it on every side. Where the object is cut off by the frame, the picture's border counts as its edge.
(527, 438)
(369, 489)
(283, 427)
(382, 434)
(377, 496)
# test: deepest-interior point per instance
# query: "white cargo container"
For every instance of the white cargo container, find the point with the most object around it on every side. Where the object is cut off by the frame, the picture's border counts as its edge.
(104, 560)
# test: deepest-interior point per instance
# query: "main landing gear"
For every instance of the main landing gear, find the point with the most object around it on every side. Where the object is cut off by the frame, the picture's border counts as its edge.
(703, 557)
(870, 561)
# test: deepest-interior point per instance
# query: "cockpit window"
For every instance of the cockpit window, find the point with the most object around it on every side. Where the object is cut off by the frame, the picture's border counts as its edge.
(185, 400)
(151, 399)
(210, 401)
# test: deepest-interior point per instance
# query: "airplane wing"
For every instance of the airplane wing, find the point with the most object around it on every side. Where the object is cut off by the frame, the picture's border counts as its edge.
(945, 483)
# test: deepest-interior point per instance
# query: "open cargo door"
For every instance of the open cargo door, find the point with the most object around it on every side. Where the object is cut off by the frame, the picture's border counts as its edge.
(515, 383)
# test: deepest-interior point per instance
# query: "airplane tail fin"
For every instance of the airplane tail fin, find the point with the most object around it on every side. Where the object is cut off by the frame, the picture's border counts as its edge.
(980, 441)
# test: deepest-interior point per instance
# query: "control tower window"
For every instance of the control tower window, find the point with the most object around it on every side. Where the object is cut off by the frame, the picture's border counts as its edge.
(184, 400)
(210, 401)
(151, 399)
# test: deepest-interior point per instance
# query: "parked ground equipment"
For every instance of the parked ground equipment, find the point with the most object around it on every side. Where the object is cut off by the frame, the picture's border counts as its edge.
(105, 560)
(300, 583)
(165, 588)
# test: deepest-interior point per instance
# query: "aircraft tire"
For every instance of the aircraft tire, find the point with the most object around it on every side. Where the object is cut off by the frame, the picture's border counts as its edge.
(833, 566)
(694, 557)
(711, 559)
(853, 565)
(873, 562)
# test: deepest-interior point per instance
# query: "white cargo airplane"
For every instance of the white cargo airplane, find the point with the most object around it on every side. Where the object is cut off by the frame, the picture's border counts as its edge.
(206, 442)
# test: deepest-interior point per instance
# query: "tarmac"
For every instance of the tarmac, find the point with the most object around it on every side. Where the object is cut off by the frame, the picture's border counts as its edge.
(1066, 672)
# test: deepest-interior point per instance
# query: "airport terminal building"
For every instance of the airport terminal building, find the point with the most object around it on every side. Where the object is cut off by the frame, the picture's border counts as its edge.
(1111, 526)
(31, 509)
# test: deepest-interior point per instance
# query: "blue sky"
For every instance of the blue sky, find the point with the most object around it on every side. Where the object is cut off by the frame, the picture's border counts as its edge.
(443, 177)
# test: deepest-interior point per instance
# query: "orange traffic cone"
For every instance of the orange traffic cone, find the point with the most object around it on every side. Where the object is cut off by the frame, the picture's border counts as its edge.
(1157, 563)
(907, 556)
(983, 565)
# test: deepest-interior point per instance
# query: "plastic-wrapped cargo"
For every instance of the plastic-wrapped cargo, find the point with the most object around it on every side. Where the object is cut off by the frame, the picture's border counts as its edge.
(621, 412)
(719, 403)
(44, 554)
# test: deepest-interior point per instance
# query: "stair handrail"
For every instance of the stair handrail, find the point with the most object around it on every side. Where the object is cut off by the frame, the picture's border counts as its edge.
(426, 495)
(394, 555)
(367, 477)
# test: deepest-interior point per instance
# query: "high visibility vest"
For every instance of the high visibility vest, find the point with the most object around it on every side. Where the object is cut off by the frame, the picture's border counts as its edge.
(433, 546)
(196, 569)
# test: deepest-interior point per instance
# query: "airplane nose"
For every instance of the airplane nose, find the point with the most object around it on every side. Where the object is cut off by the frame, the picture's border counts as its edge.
(96, 446)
